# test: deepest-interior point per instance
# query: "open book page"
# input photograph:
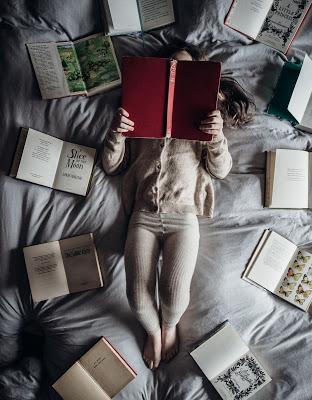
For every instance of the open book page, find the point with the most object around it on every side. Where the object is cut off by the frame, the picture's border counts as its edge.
(306, 122)
(220, 351)
(71, 67)
(124, 15)
(107, 367)
(45, 271)
(295, 285)
(300, 104)
(291, 179)
(40, 158)
(242, 379)
(81, 263)
(98, 63)
(282, 22)
(247, 16)
(74, 169)
(48, 69)
(155, 13)
(272, 261)
(77, 384)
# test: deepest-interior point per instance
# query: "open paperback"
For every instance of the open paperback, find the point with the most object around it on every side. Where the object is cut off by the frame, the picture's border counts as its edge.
(169, 98)
(52, 162)
(127, 16)
(83, 67)
(272, 22)
(98, 375)
(280, 267)
(229, 364)
(293, 95)
(62, 267)
(288, 179)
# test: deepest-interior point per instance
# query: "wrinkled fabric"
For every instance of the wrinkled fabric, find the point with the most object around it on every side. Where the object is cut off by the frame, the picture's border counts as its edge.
(279, 334)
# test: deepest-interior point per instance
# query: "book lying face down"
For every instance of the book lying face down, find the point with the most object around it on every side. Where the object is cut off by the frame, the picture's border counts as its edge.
(62, 267)
(292, 98)
(43, 159)
(169, 98)
(271, 22)
(98, 375)
(230, 366)
(278, 266)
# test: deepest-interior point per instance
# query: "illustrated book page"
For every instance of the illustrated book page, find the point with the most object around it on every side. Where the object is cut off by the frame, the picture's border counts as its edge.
(291, 179)
(270, 260)
(81, 263)
(247, 16)
(40, 158)
(295, 285)
(98, 63)
(107, 367)
(74, 168)
(300, 104)
(227, 362)
(78, 384)
(282, 22)
(46, 272)
(155, 14)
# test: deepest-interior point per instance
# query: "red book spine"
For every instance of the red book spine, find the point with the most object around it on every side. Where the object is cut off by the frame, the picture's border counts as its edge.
(172, 79)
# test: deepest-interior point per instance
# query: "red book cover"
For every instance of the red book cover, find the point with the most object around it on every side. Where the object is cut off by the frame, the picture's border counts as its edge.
(166, 98)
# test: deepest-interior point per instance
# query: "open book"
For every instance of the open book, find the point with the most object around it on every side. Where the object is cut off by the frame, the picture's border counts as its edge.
(293, 95)
(51, 162)
(168, 98)
(229, 364)
(128, 16)
(98, 375)
(84, 67)
(272, 22)
(280, 267)
(62, 267)
(288, 179)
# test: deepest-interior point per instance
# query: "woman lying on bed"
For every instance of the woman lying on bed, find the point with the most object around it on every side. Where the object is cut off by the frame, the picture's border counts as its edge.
(170, 181)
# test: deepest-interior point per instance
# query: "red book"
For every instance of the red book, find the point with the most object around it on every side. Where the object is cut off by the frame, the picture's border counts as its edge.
(169, 98)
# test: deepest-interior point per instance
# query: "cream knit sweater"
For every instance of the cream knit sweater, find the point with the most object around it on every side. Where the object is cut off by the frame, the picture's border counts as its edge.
(167, 175)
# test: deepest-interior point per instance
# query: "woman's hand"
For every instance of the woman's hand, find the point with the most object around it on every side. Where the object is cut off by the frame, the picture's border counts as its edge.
(212, 124)
(121, 122)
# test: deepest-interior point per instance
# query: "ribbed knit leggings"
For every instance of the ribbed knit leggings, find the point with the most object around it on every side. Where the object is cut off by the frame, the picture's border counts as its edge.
(177, 237)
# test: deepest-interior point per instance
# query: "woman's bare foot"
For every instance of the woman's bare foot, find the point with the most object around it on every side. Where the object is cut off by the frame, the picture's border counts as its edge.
(152, 350)
(169, 342)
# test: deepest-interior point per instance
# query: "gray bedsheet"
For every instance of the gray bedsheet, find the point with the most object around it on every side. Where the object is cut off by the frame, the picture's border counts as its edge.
(279, 334)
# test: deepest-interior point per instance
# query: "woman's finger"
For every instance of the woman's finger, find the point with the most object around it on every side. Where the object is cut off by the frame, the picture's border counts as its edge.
(212, 126)
(212, 120)
(125, 126)
(122, 111)
(126, 121)
(213, 113)
(121, 130)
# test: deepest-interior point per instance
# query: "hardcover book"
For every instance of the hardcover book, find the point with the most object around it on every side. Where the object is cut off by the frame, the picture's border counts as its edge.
(272, 22)
(169, 98)
(84, 67)
(98, 375)
(288, 179)
(229, 364)
(293, 95)
(52, 162)
(62, 267)
(122, 17)
(278, 266)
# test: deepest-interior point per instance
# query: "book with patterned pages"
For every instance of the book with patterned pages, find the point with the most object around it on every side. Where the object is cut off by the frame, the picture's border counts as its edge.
(46, 160)
(83, 67)
(288, 179)
(122, 17)
(62, 267)
(230, 366)
(98, 375)
(169, 98)
(272, 22)
(293, 95)
(278, 266)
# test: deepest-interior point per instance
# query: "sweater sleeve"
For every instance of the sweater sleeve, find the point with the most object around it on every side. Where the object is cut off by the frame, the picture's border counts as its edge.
(217, 159)
(115, 153)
